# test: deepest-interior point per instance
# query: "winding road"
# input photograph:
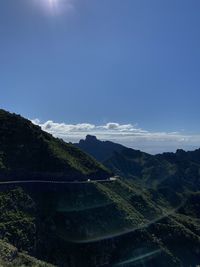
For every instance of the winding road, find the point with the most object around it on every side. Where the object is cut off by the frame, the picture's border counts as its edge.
(111, 179)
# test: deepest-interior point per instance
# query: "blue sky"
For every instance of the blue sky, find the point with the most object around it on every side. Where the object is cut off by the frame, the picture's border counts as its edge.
(131, 62)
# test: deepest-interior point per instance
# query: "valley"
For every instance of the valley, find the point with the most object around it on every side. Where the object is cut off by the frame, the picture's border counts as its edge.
(69, 210)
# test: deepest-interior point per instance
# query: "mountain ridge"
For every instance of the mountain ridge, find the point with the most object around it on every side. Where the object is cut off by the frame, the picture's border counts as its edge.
(149, 216)
(27, 151)
(145, 168)
(101, 150)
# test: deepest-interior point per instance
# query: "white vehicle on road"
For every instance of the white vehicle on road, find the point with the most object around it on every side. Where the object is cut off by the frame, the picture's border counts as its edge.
(114, 178)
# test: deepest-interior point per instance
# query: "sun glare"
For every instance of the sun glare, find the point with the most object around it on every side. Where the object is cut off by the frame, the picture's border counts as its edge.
(52, 3)
(56, 7)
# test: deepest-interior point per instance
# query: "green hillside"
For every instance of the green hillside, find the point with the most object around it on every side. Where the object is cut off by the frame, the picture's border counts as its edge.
(11, 257)
(102, 223)
(28, 152)
(148, 217)
(131, 221)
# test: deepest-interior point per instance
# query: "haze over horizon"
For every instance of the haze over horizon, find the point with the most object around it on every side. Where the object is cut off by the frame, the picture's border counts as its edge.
(126, 134)
(126, 72)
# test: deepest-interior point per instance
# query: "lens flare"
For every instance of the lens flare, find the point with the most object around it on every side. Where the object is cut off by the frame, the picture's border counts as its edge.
(139, 259)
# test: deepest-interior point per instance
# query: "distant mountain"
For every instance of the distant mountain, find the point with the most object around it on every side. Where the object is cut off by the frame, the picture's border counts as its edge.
(180, 169)
(148, 217)
(100, 150)
(126, 162)
(28, 152)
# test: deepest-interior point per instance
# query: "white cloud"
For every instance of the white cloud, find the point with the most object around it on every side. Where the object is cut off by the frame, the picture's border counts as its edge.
(127, 134)
(121, 127)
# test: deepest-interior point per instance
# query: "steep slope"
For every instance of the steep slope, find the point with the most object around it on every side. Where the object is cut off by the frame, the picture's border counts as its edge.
(95, 223)
(11, 257)
(127, 162)
(186, 169)
(18, 226)
(123, 161)
(28, 152)
(113, 223)
(180, 170)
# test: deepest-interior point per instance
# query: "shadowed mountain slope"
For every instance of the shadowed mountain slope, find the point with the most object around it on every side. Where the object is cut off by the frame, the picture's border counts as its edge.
(100, 150)
(149, 217)
(28, 152)
(11, 257)
(113, 223)
(178, 170)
